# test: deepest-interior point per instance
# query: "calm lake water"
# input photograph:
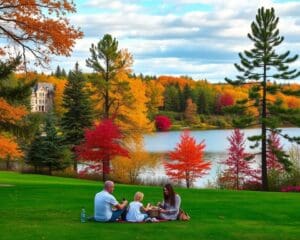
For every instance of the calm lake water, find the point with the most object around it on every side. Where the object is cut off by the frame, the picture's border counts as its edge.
(215, 151)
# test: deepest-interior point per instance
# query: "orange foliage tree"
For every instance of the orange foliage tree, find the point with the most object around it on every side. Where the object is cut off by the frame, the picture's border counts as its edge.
(9, 149)
(38, 27)
(186, 161)
(10, 114)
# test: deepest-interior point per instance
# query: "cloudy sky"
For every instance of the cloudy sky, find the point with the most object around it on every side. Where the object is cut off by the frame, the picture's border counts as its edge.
(199, 38)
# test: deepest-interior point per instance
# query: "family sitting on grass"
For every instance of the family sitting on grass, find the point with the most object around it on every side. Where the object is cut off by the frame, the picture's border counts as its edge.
(108, 209)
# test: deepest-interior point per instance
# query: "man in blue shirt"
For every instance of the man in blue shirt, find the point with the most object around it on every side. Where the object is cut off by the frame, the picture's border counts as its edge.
(105, 201)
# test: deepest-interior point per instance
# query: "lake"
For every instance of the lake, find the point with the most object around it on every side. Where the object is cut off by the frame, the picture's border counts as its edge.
(216, 147)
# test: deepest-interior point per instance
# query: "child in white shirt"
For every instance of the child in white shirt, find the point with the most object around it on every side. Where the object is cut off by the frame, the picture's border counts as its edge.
(134, 212)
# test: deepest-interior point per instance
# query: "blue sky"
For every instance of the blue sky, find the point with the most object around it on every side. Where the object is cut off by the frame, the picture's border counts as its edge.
(199, 38)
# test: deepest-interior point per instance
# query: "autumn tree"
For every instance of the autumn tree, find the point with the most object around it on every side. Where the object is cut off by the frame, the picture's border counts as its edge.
(224, 100)
(186, 161)
(154, 92)
(78, 114)
(131, 115)
(274, 146)
(128, 169)
(9, 149)
(258, 65)
(237, 165)
(12, 109)
(100, 146)
(190, 112)
(38, 27)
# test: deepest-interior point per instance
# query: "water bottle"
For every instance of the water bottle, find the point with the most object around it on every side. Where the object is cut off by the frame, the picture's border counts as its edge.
(82, 215)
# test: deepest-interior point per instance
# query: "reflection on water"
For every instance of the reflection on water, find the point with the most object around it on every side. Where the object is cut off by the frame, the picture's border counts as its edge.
(216, 148)
(158, 173)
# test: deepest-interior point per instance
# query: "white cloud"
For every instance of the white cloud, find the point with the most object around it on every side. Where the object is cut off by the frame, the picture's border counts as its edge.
(192, 42)
(114, 5)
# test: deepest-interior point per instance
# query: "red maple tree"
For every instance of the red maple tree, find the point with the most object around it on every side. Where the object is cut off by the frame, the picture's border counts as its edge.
(100, 146)
(162, 123)
(273, 146)
(186, 161)
(224, 100)
(238, 169)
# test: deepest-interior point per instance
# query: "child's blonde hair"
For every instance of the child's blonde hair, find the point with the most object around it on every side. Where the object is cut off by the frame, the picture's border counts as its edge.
(138, 196)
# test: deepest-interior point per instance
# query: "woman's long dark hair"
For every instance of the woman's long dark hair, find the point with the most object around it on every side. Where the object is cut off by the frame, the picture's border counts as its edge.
(170, 198)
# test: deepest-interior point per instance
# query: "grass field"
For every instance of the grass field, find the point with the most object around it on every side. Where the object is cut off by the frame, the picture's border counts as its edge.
(42, 207)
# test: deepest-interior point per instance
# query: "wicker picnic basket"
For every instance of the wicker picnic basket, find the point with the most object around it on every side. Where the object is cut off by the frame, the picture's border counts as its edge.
(153, 212)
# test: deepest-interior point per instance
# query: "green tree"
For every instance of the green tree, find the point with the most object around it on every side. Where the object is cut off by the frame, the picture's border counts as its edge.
(47, 149)
(63, 73)
(187, 93)
(78, 115)
(106, 60)
(171, 99)
(259, 65)
(57, 72)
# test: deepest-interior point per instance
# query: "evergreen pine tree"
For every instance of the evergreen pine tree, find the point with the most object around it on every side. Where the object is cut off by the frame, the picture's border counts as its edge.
(258, 65)
(47, 149)
(63, 73)
(106, 60)
(78, 115)
(171, 99)
(58, 72)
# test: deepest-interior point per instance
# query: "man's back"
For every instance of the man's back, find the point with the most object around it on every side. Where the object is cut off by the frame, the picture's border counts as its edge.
(104, 201)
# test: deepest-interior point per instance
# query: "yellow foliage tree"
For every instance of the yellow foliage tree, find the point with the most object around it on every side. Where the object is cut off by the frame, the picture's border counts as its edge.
(127, 170)
(132, 118)
(154, 92)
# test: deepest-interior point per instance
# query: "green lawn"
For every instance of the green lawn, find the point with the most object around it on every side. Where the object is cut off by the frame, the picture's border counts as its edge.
(42, 207)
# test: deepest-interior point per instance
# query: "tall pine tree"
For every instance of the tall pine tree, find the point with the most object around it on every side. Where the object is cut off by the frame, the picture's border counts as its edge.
(259, 65)
(78, 115)
(106, 60)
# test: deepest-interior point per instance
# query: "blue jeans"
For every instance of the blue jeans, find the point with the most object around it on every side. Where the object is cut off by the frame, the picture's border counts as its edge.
(117, 214)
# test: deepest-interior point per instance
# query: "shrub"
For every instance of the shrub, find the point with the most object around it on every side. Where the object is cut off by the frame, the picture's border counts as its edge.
(162, 123)
(291, 189)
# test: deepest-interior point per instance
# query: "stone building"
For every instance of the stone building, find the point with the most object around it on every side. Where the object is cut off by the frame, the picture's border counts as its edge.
(42, 97)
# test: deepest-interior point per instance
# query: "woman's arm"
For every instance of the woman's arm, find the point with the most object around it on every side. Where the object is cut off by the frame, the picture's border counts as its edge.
(173, 209)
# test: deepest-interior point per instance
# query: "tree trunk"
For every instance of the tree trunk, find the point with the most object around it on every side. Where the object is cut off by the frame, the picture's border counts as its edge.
(264, 174)
(50, 169)
(75, 165)
(187, 179)
(7, 163)
(75, 162)
(105, 169)
(106, 97)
